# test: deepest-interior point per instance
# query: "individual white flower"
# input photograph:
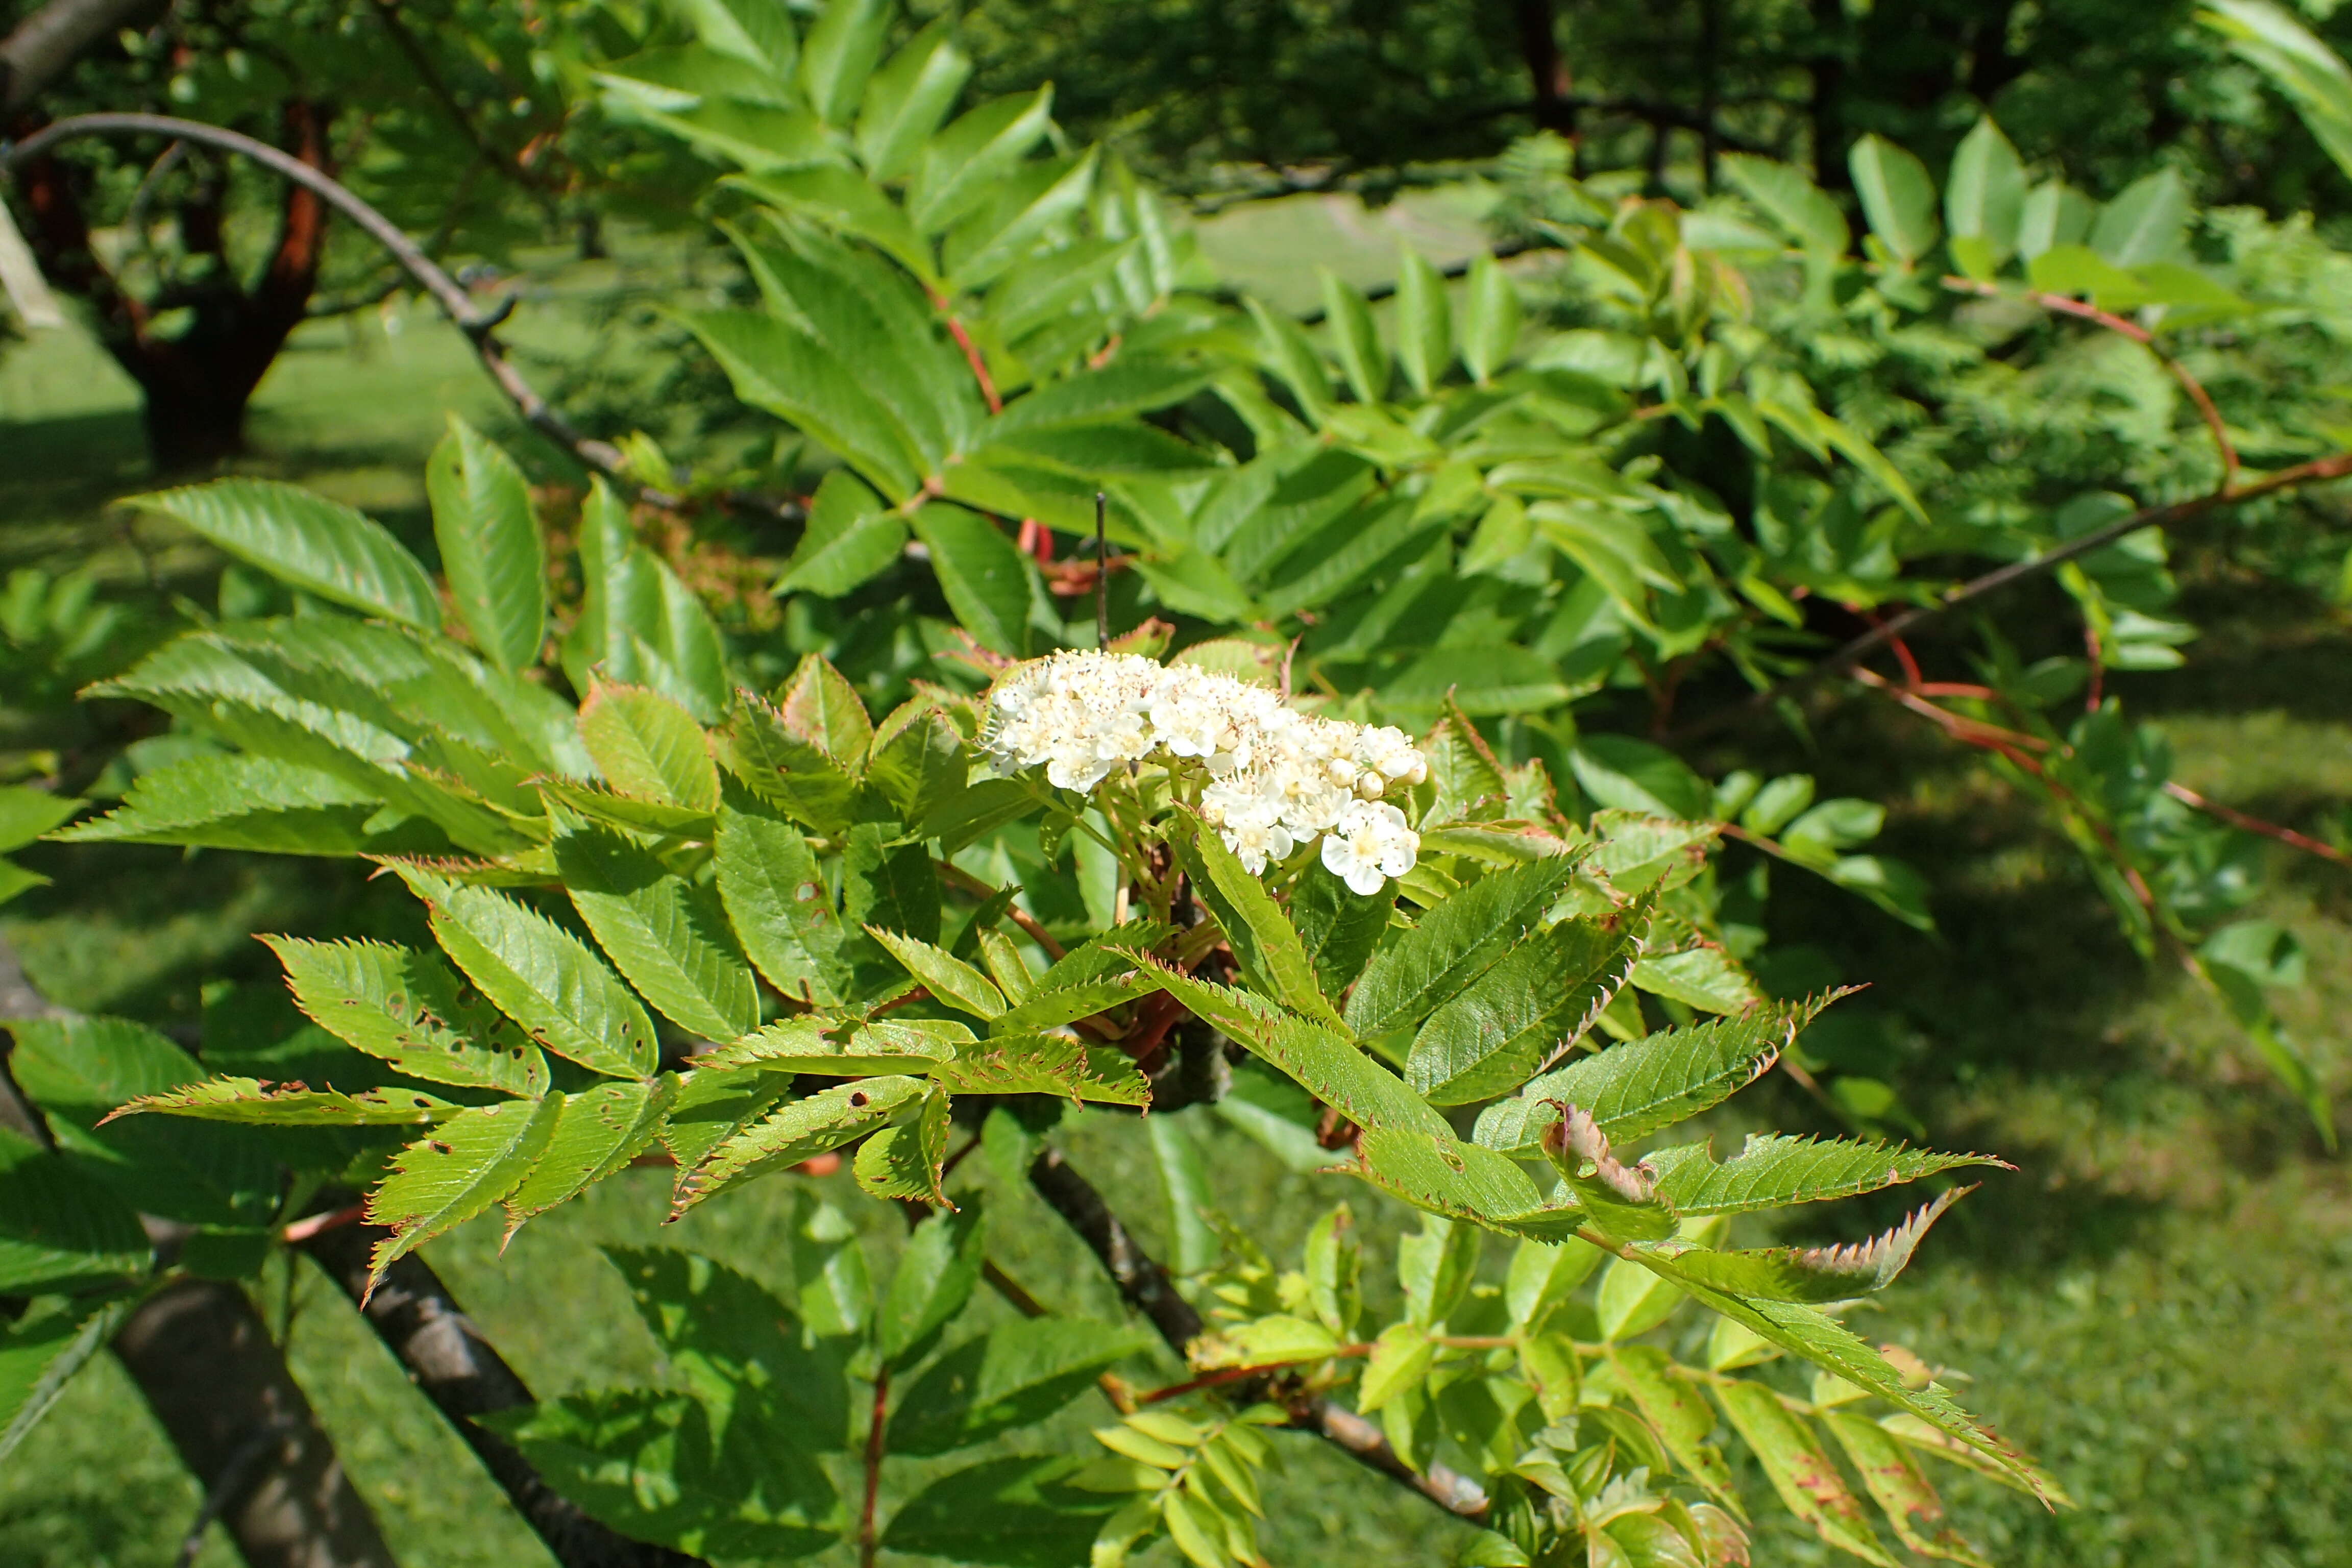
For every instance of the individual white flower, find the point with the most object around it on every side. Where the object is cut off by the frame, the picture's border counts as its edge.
(1355, 861)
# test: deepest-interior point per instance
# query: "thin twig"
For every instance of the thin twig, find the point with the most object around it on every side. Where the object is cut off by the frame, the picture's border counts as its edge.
(2137, 333)
(875, 1429)
(479, 327)
(2236, 818)
(957, 875)
(2334, 467)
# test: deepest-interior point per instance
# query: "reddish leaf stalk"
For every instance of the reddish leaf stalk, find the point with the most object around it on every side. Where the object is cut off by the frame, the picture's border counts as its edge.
(875, 1430)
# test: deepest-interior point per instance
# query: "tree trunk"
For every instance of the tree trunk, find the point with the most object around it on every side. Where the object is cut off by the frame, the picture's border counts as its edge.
(201, 1355)
(1547, 78)
(198, 382)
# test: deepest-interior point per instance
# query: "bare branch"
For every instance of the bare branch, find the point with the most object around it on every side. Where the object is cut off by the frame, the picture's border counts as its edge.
(479, 327)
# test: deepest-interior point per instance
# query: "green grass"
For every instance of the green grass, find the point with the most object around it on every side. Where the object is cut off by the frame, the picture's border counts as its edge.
(2156, 1302)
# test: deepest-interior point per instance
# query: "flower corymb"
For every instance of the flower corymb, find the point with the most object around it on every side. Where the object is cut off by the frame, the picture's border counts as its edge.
(1275, 779)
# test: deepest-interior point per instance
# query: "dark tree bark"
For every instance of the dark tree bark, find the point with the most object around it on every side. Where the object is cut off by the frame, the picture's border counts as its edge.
(209, 1371)
(196, 384)
(464, 1376)
(44, 42)
(1547, 75)
(1828, 107)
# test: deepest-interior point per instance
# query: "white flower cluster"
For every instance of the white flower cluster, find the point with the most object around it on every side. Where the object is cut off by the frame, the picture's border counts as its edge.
(1278, 778)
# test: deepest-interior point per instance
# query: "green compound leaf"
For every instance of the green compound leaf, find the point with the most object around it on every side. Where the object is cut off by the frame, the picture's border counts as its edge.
(851, 539)
(598, 1131)
(1325, 1062)
(39, 1354)
(1527, 1010)
(541, 975)
(820, 706)
(460, 1168)
(1456, 944)
(648, 747)
(949, 979)
(1653, 1082)
(58, 1231)
(1014, 1512)
(936, 1276)
(243, 802)
(1678, 1412)
(816, 1125)
(1013, 1375)
(1894, 1482)
(292, 1105)
(319, 546)
(1817, 1274)
(491, 548)
(413, 1011)
(906, 1161)
(982, 573)
(669, 936)
(829, 1048)
(1804, 1477)
(1436, 1171)
(776, 898)
(711, 1108)
(794, 774)
(1772, 1171)
(1272, 956)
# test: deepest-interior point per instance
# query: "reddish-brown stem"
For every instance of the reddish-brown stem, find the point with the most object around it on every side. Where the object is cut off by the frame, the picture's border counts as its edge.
(875, 1429)
(951, 872)
(1225, 1374)
(2236, 818)
(2147, 340)
(303, 1230)
(972, 357)
(2097, 691)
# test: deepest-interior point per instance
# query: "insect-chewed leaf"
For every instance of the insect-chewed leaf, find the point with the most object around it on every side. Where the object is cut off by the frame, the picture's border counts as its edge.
(906, 1160)
(1433, 1170)
(832, 1048)
(294, 1104)
(1455, 943)
(409, 1008)
(1329, 1067)
(782, 767)
(1045, 1064)
(1653, 1082)
(1802, 1273)
(668, 935)
(539, 974)
(598, 1132)
(1014, 1374)
(1803, 1476)
(819, 705)
(1622, 1200)
(1774, 1169)
(1526, 1010)
(1893, 1479)
(812, 1125)
(1068, 1003)
(462, 1167)
(711, 1108)
(948, 978)
(1269, 950)
(647, 746)
(1675, 1408)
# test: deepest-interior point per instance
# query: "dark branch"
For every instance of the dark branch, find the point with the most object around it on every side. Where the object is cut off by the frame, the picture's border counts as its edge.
(455, 1368)
(1146, 1285)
